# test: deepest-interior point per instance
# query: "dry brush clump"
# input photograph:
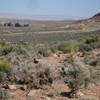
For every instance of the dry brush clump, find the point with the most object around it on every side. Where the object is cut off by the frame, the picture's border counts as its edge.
(88, 43)
(67, 47)
(45, 52)
(4, 95)
(4, 66)
(76, 78)
(91, 39)
(20, 59)
(23, 65)
(79, 75)
(93, 62)
(92, 59)
(82, 47)
(36, 78)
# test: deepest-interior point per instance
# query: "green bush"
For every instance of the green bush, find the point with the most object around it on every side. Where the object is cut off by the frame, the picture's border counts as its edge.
(91, 39)
(6, 50)
(67, 47)
(4, 66)
(3, 43)
(25, 43)
(53, 50)
(83, 47)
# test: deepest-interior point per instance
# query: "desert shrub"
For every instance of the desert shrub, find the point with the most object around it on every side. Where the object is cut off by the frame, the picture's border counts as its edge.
(45, 52)
(9, 24)
(45, 77)
(3, 43)
(83, 47)
(95, 76)
(25, 43)
(91, 39)
(95, 45)
(37, 78)
(77, 78)
(21, 50)
(6, 50)
(3, 76)
(26, 25)
(18, 25)
(53, 50)
(91, 60)
(4, 66)
(69, 58)
(94, 62)
(67, 47)
(4, 95)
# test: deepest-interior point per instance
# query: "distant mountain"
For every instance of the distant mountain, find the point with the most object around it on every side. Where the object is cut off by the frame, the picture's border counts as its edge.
(38, 17)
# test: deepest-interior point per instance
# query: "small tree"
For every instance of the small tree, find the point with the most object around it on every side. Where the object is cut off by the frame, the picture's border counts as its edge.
(18, 25)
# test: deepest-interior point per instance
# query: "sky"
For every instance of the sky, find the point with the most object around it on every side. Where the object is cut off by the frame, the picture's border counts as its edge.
(81, 8)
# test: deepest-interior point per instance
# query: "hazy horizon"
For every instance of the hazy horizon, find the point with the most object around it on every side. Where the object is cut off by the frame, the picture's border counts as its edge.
(49, 9)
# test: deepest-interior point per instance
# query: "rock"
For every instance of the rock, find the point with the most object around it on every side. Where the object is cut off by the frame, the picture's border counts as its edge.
(32, 93)
(12, 87)
(46, 98)
(24, 88)
(89, 97)
(80, 94)
(55, 55)
(36, 61)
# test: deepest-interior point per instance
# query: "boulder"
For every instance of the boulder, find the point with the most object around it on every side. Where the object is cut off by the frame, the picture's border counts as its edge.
(24, 88)
(12, 87)
(79, 94)
(33, 93)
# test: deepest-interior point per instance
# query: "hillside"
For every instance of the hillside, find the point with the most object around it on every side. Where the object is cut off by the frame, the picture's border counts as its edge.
(43, 31)
(91, 23)
(96, 17)
(50, 60)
